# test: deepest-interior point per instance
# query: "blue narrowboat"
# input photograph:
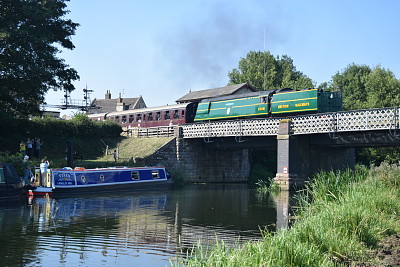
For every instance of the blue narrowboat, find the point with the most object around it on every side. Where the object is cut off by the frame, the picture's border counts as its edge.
(81, 180)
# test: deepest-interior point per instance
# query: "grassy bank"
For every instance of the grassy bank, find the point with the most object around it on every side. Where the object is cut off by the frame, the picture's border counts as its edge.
(93, 150)
(135, 147)
(342, 216)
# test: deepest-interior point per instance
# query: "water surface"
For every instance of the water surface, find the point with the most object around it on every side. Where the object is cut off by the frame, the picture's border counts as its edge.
(133, 229)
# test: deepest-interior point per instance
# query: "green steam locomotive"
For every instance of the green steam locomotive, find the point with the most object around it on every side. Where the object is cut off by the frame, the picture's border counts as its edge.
(274, 103)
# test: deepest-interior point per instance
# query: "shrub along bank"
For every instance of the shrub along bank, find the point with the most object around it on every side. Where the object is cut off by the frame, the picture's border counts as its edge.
(342, 216)
(16, 130)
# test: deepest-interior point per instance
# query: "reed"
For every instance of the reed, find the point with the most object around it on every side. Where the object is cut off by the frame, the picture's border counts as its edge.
(342, 215)
(266, 187)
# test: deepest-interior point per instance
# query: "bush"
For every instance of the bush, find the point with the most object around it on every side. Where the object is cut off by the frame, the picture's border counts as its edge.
(343, 214)
(77, 127)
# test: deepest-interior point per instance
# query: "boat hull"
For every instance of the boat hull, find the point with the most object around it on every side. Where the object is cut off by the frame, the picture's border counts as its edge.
(113, 188)
(11, 186)
(11, 191)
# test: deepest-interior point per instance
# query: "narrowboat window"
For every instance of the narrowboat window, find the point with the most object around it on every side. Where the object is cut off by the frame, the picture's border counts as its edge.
(158, 116)
(83, 178)
(2, 178)
(117, 118)
(144, 117)
(138, 117)
(155, 174)
(102, 177)
(150, 116)
(131, 118)
(123, 119)
(176, 114)
(263, 99)
(135, 175)
(167, 116)
(183, 113)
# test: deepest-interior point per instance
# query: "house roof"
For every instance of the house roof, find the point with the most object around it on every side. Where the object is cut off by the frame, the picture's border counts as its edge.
(109, 105)
(197, 96)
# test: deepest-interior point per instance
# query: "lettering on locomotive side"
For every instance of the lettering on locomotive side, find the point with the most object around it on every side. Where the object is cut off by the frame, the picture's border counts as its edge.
(261, 109)
(305, 104)
(283, 106)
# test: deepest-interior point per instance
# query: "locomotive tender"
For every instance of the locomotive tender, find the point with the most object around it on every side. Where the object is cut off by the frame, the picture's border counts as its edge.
(273, 103)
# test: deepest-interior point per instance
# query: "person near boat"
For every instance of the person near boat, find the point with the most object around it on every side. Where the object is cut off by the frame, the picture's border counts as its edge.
(44, 165)
(27, 169)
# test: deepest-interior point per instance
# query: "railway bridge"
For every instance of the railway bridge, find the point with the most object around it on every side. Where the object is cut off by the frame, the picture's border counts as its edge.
(218, 151)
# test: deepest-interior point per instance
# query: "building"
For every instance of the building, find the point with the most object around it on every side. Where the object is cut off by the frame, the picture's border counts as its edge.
(49, 113)
(197, 96)
(109, 104)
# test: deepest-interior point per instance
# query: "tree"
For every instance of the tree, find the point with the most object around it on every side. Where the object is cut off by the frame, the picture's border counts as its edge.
(363, 87)
(263, 71)
(31, 35)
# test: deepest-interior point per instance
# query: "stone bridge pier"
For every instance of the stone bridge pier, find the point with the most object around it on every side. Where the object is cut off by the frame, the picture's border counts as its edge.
(299, 158)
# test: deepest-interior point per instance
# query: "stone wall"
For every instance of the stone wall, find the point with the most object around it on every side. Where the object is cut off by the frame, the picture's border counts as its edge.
(202, 163)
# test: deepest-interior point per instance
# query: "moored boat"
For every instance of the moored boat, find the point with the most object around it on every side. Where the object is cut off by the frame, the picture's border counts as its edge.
(11, 185)
(81, 180)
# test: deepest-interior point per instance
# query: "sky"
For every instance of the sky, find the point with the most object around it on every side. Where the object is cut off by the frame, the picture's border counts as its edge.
(161, 50)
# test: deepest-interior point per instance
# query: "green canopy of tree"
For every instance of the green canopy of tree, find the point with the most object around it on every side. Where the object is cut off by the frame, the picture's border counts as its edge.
(32, 33)
(363, 87)
(263, 71)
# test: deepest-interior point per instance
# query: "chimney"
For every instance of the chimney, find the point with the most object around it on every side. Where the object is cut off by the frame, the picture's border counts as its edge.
(120, 104)
(108, 95)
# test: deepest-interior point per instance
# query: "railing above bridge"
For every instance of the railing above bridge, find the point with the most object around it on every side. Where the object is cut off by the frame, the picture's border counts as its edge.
(344, 121)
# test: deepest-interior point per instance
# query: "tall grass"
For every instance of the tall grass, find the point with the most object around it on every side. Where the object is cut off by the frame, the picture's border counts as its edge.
(342, 215)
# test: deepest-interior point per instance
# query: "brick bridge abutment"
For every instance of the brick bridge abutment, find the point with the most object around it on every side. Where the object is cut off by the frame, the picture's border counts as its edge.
(200, 163)
(298, 159)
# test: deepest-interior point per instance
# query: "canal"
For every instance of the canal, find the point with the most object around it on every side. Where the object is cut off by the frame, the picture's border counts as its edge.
(134, 229)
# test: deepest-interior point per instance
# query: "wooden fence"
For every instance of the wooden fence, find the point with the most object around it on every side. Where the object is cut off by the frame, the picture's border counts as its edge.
(162, 131)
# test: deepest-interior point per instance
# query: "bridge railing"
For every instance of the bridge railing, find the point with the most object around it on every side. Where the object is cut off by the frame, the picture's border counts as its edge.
(347, 121)
(251, 127)
(343, 121)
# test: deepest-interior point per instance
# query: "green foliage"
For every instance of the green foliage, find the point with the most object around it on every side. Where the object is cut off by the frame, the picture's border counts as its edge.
(178, 176)
(81, 126)
(349, 213)
(32, 33)
(269, 186)
(54, 129)
(388, 173)
(363, 87)
(378, 155)
(263, 71)
(16, 160)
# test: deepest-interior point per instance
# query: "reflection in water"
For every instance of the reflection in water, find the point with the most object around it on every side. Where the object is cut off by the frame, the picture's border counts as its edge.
(133, 229)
